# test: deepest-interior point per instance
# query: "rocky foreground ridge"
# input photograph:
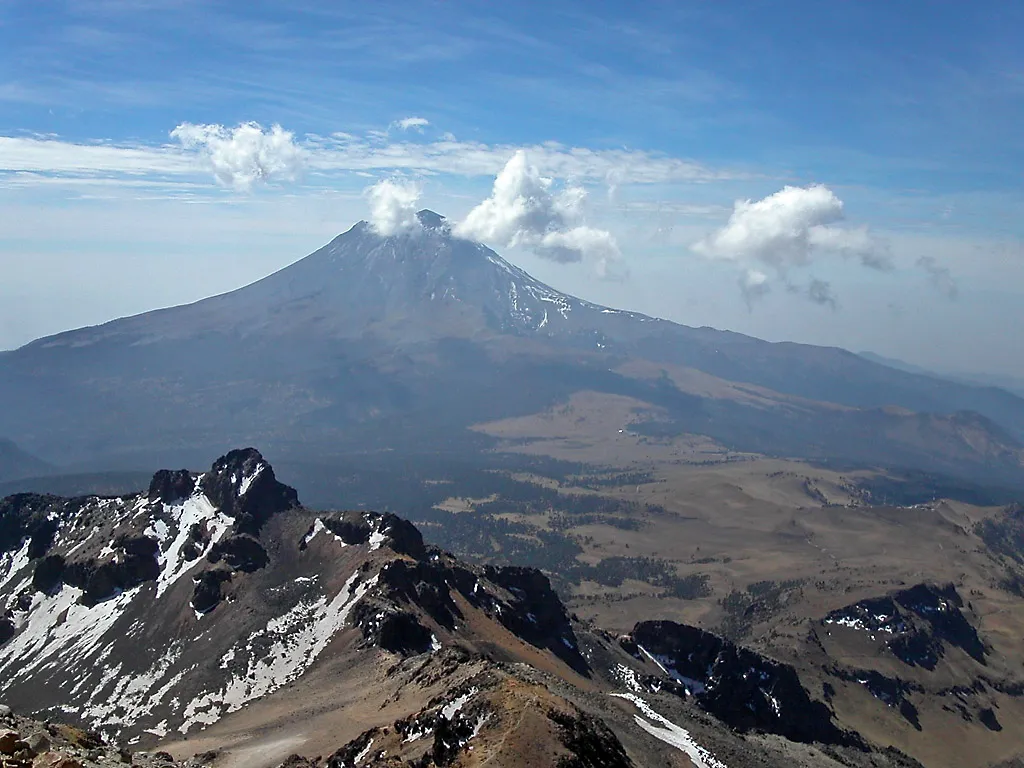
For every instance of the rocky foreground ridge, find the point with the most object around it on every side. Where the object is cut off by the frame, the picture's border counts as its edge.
(215, 620)
(28, 743)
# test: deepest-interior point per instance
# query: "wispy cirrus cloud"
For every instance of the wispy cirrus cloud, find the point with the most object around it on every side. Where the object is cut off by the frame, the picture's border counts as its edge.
(467, 158)
(241, 156)
(52, 156)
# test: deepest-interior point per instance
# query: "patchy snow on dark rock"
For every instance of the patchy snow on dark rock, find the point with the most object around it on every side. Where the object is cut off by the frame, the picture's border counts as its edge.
(738, 685)
(917, 624)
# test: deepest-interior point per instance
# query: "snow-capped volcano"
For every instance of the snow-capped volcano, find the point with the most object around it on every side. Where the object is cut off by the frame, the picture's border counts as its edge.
(425, 282)
(428, 276)
(376, 341)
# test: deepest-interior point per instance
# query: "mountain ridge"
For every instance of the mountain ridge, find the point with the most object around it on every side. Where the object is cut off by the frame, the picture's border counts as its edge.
(214, 599)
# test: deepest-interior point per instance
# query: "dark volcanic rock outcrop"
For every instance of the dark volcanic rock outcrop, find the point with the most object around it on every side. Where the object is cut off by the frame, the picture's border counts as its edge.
(132, 561)
(918, 624)
(590, 742)
(536, 614)
(121, 543)
(240, 552)
(520, 599)
(32, 518)
(738, 685)
(207, 592)
(354, 528)
(242, 484)
(171, 486)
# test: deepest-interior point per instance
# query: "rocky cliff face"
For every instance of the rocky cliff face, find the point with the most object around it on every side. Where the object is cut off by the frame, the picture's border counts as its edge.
(105, 547)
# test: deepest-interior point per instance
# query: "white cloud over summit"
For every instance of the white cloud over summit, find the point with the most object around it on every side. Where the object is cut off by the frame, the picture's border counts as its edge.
(787, 232)
(523, 210)
(246, 155)
(393, 204)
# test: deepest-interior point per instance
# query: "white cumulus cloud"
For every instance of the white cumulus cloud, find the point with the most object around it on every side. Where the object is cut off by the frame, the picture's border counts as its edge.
(245, 155)
(786, 232)
(393, 206)
(525, 211)
(411, 124)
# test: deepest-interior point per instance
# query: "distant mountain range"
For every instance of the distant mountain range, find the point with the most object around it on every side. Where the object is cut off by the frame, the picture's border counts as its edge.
(402, 343)
(1013, 384)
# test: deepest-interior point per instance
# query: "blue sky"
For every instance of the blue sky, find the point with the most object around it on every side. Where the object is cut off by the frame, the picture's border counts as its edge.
(666, 113)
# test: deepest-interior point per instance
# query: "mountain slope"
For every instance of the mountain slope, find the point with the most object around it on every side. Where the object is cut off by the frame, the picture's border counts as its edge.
(377, 343)
(216, 608)
(16, 463)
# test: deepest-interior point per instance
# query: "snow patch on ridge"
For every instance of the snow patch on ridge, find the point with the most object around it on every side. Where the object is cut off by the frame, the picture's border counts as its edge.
(13, 562)
(132, 697)
(278, 654)
(318, 528)
(377, 540)
(452, 708)
(665, 730)
(664, 663)
(366, 750)
(248, 480)
(196, 510)
(879, 623)
(58, 629)
(628, 678)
